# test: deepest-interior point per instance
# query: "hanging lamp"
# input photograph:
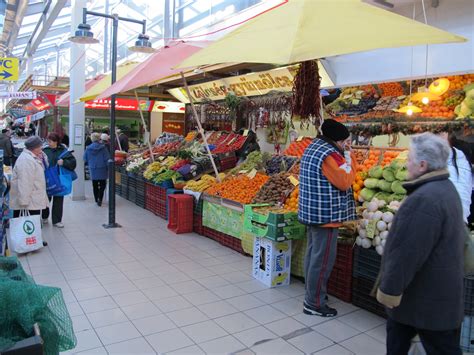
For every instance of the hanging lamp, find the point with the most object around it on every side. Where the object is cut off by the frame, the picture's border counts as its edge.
(439, 86)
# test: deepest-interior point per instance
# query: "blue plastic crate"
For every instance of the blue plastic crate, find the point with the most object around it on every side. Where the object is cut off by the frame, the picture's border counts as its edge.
(467, 334)
(166, 184)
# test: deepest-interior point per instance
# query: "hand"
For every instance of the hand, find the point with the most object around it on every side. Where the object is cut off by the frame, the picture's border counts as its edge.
(60, 162)
(347, 145)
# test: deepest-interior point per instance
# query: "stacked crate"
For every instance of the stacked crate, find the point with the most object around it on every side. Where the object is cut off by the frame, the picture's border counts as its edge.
(340, 280)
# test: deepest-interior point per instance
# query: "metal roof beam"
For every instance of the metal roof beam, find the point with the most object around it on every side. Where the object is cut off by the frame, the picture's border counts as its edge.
(35, 8)
(50, 13)
(51, 33)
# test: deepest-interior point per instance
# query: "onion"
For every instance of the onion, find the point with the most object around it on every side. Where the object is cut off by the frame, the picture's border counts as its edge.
(366, 243)
(363, 233)
(365, 223)
(381, 226)
(377, 241)
(389, 226)
(372, 206)
(382, 243)
(370, 215)
(381, 203)
(377, 215)
(365, 214)
(387, 217)
(359, 241)
(379, 249)
(383, 234)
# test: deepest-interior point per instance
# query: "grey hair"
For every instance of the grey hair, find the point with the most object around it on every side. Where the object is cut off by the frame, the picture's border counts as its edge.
(432, 149)
(95, 137)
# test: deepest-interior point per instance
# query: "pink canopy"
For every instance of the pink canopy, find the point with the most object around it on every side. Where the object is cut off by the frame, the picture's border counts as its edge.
(158, 66)
(63, 100)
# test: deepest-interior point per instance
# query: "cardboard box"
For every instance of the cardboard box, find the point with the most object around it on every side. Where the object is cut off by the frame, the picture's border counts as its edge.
(272, 262)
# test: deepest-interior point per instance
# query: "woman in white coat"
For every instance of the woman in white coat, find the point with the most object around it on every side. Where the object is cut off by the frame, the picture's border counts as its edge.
(28, 184)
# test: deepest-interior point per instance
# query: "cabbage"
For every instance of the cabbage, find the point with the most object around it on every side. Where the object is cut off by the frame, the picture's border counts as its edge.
(367, 194)
(385, 186)
(384, 196)
(396, 197)
(388, 174)
(371, 183)
(397, 164)
(376, 172)
(402, 174)
(398, 188)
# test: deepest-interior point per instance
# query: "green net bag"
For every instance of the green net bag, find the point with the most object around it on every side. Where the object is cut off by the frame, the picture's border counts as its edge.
(24, 303)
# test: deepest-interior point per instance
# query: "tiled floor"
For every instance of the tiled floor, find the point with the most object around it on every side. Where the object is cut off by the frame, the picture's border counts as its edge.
(141, 289)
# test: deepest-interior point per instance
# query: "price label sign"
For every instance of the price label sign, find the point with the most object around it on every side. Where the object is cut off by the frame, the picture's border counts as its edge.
(246, 133)
(252, 173)
(294, 180)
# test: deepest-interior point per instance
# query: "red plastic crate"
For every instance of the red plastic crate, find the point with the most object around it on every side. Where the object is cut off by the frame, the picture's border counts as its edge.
(228, 163)
(159, 193)
(344, 259)
(160, 209)
(224, 239)
(180, 213)
(197, 223)
(340, 284)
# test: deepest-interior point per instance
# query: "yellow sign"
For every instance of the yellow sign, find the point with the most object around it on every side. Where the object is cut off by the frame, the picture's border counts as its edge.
(9, 69)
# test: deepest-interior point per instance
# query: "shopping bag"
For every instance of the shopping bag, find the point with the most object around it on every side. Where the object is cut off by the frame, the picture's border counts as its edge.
(66, 182)
(25, 233)
(53, 183)
(67, 171)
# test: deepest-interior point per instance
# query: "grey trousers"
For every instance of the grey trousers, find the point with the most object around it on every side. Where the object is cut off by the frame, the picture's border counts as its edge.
(319, 261)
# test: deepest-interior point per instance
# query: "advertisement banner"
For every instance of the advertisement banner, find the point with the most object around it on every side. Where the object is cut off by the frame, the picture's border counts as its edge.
(223, 219)
(168, 107)
(120, 104)
(20, 95)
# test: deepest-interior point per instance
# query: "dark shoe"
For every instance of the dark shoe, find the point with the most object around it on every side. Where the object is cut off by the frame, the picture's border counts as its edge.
(45, 244)
(99, 203)
(324, 311)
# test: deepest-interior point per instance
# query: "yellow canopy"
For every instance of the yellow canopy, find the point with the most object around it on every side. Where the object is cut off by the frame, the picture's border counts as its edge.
(310, 29)
(106, 81)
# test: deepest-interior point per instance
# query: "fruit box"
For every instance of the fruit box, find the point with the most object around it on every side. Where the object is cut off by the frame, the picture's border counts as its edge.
(271, 262)
(273, 218)
(275, 233)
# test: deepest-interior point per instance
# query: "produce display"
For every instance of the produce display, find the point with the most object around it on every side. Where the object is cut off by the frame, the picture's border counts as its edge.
(163, 149)
(167, 137)
(240, 188)
(280, 163)
(205, 182)
(229, 143)
(374, 227)
(275, 190)
(374, 158)
(297, 147)
(191, 136)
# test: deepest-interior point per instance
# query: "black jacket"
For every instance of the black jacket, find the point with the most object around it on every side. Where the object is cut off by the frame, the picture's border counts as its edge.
(53, 154)
(123, 139)
(424, 256)
(6, 145)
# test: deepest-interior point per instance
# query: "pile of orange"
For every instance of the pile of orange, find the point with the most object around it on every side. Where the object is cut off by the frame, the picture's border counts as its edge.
(358, 184)
(239, 188)
(291, 202)
(458, 82)
(437, 109)
(297, 148)
(374, 157)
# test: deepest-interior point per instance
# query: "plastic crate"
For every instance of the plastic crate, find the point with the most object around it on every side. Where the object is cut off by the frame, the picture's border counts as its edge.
(345, 256)
(361, 289)
(228, 163)
(367, 263)
(132, 196)
(276, 219)
(340, 284)
(180, 213)
(197, 223)
(224, 239)
(161, 209)
(467, 334)
(158, 192)
(469, 295)
(198, 206)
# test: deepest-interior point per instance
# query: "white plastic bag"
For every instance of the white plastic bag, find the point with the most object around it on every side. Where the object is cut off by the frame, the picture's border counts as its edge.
(25, 233)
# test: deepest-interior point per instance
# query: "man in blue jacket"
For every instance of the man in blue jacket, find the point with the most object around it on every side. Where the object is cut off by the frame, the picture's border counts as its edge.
(96, 156)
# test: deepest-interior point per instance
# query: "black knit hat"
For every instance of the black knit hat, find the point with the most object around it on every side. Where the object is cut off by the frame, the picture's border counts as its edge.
(334, 130)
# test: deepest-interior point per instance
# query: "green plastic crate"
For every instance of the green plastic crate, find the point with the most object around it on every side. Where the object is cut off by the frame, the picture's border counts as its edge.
(272, 218)
(274, 232)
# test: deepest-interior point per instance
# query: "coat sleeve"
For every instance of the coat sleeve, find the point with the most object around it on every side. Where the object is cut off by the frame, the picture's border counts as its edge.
(412, 238)
(25, 185)
(85, 156)
(69, 162)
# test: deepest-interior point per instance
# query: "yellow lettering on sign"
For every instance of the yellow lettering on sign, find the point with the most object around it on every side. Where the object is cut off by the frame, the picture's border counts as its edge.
(9, 69)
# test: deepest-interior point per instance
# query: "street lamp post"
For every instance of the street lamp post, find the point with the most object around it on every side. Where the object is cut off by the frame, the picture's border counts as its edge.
(85, 36)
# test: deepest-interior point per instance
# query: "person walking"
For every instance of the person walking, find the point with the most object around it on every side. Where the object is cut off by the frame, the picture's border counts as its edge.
(28, 183)
(7, 146)
(421, 278)
(327, 172)
(96, 156)
(53, 151)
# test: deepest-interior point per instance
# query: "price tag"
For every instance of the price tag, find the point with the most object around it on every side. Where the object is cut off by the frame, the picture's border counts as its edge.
(294, 180)
(299, 139)
(355, 101)
(347, 96)
(371, 229)
(246, 133)
(161, 158)
(243, 171)
(252, 173)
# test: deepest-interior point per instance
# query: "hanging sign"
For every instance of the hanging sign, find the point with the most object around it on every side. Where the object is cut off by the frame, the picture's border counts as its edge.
(9, 68)
(21, 95)
(120, 104)
(168, 107)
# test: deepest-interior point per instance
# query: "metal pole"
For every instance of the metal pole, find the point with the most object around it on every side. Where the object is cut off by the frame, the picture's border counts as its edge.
(111, 162)
(144, 125)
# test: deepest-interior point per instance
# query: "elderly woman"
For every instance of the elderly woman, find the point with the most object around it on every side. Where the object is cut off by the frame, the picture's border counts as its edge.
(422, 267)
(28, 184)
(96, 156)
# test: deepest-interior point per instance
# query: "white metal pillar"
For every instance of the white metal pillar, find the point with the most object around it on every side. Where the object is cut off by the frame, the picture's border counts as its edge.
(76, 110)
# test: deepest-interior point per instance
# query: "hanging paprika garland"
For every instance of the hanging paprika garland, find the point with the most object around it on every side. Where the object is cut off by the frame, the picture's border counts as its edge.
(306, 104)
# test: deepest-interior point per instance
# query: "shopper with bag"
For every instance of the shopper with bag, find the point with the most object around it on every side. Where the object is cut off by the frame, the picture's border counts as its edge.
(58, 155)
(96, 156)
(28, 186)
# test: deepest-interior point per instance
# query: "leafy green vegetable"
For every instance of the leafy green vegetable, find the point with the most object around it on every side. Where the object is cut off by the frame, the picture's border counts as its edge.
(367, 194)
(376, 172)
(371, 183)
(398, 188)
(388, 174)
